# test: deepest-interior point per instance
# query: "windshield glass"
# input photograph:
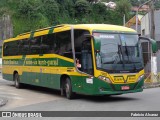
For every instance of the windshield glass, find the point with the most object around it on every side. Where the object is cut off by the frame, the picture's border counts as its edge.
(118, 53)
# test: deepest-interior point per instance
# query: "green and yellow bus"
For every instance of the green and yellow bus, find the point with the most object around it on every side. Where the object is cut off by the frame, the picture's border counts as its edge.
(90, 59)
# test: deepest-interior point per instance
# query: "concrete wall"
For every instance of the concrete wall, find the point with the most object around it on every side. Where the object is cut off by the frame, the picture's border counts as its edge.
(146, 25)
(138, 29)
(157, 25)
(6, 28)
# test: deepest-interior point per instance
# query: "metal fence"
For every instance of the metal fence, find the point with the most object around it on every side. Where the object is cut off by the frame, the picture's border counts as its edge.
(149, 76)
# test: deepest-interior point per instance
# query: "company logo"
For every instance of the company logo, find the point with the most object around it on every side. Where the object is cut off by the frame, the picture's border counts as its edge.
(6, 114)
(21, 114)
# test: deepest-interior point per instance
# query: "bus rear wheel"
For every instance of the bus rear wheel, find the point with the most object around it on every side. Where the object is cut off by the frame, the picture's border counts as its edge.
(17, 81)
(68, 89)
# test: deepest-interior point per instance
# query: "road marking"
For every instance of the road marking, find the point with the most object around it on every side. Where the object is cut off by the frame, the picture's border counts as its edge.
(11, 97)
(8, 93)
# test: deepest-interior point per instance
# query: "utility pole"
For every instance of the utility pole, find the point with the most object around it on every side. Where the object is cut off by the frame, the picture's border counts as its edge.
(124, 20)
(138, 10)
(153, 56)
(152, 20)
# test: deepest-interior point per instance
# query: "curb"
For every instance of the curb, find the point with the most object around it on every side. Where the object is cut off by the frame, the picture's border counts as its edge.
(151, 85)
(3, 101)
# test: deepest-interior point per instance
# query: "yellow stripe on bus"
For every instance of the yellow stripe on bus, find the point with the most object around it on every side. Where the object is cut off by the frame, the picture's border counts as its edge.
(40, 69)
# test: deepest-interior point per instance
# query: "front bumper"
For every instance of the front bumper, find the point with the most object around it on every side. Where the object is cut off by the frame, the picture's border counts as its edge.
(120, 92)
(116, 89)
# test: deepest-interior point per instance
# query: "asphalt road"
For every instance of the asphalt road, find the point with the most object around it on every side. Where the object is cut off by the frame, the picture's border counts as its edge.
(41, 99)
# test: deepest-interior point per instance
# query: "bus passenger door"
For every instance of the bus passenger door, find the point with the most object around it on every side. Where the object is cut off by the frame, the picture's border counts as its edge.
(87, 65)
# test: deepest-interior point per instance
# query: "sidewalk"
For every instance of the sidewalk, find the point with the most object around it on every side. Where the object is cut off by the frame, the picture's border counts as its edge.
(3, 101)
(151, 85)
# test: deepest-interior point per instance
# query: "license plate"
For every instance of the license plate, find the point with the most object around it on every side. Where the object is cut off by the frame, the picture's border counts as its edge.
(125, 87)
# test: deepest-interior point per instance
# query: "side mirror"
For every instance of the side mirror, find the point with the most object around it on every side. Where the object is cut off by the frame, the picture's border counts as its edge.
(153, 43)
(97, 44)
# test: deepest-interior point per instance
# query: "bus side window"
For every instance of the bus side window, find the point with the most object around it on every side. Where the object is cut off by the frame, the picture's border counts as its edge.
(20, 44)
(14, 48)
(11, 48)
(63, 40)
(25, 47)
(47, 45)
(35, 45)
(5, 49)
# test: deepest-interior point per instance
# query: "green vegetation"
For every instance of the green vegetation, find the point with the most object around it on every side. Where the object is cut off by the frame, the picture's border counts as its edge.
(28, 15)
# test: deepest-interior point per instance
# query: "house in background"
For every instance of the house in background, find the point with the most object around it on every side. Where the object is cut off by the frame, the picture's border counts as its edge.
(132, 23)
(146, 25)
(146, 31)
(144, 8)
(111, 5)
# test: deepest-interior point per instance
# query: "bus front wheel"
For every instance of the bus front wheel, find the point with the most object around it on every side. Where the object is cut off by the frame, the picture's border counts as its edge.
(17, 81)
(68, 89)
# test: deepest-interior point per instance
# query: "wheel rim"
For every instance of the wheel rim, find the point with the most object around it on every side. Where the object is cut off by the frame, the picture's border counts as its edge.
(67, 90)
(16, 81)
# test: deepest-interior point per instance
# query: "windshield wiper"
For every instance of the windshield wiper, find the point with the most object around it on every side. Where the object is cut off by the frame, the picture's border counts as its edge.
(120, 59)
(127, 53)
(120, 50)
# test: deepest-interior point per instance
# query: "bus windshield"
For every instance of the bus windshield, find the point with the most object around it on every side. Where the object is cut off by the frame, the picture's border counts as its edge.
(118, 53)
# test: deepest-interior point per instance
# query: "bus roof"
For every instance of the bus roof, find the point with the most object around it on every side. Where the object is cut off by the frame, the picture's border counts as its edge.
(63, 27)
(105, 27)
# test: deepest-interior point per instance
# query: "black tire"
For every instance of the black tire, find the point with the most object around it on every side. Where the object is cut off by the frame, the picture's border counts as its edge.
(68, 89)
(107, 96)
(17, 81)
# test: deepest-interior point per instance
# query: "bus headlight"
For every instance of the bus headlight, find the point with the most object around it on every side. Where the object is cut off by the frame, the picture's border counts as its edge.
(140, 78)
(104, 79)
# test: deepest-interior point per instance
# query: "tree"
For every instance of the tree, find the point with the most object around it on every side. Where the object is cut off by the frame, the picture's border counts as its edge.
(35, 14)
(123, 7)
(98, 13)
(67, 7)
(157, 4)
(82, 7)
(50, 9)
(93, 1)
(27, 8)
(137, 2)
(4, 10)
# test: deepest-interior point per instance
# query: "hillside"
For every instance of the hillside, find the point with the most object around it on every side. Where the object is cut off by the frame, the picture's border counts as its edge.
(29, 15)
